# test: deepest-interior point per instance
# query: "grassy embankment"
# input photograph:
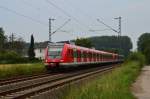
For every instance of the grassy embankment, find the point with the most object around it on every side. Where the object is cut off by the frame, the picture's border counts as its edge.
(11, 70)
(114, 85)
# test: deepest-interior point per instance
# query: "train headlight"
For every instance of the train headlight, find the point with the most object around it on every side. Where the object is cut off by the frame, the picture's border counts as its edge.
(61, 60)
(46, 64)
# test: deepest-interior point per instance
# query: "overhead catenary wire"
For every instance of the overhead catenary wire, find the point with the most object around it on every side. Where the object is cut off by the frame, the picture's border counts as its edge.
(22, 15)
(91, 17)
(79, 9)
(67, 14)
(107, 25)
(99, 30)
(29, 5)
(61, 26)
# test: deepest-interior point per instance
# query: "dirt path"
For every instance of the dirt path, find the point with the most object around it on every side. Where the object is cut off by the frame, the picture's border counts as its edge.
(141, 88)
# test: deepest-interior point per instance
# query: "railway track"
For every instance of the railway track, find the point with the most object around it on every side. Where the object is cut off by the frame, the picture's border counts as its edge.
(22, 78)
(23, 89)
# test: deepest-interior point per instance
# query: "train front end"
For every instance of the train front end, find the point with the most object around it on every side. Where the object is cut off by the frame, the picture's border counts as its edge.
(53, 55)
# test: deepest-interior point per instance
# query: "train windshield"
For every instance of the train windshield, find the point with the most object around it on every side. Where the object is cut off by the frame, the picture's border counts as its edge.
(55, 51)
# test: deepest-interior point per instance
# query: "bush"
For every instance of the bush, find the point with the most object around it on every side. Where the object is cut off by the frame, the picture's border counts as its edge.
(11, 57)
(137, 56)
(113, 85)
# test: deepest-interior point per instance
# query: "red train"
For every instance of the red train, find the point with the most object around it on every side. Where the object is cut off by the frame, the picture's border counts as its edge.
(63, 55)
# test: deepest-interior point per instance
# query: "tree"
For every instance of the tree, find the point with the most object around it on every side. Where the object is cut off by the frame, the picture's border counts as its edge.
(16, 44)
(85, 42)
(2, 38)
(147, 54)
(19, 46)
(121, 45)
(31, 52)
(141, 41)
(144, 45)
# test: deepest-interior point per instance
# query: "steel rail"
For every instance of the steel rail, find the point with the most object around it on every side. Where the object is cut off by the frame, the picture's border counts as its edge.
(41, 87)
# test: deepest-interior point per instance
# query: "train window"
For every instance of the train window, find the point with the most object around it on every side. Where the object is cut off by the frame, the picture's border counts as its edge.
(93, 55)
(90, 55)
(75, 53)
(104, 56)
(97, 56)
(84, 54)
(55, 52)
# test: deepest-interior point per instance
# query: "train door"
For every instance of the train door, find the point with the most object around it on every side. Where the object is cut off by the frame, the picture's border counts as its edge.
(90, 57)
(70, 55)
(84, 56)
(97, 57)
(87, 56)
(78, 55)
(94, 57)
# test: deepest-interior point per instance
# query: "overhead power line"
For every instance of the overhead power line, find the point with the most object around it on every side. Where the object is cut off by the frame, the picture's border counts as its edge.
(50, 30)
(61, 26)
(30, 5)
(80, 10)
(100, 30)
(107, 25)
(67, 14)
(22, 15)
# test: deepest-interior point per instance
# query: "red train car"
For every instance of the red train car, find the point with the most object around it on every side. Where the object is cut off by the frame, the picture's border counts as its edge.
(63, 55)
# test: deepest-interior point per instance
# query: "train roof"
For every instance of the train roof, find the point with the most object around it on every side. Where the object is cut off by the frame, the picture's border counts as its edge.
(79, 47)
(88, 49)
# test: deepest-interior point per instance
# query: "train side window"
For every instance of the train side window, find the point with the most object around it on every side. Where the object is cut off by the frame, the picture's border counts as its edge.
(84, 54)
(94, 55)
(89, 55)
(75, 53)
(98, 56)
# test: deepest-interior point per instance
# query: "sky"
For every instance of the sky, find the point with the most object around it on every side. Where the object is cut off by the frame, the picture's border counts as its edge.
(26, 17)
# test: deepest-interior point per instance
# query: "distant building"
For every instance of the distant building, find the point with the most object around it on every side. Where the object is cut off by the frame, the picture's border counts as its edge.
(39, 53)
(40, 49)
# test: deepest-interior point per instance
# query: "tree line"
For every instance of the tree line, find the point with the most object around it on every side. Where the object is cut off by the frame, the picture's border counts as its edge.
(11, 43)
(13, 49)
(121, 45)
(115, 44)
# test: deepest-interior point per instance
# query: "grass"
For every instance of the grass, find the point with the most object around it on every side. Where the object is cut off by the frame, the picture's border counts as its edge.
(114, 85)
(11, 70)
